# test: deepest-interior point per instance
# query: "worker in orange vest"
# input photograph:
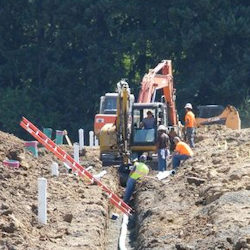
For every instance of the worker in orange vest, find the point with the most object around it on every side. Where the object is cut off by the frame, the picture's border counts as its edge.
(182, 152)
(190, 124)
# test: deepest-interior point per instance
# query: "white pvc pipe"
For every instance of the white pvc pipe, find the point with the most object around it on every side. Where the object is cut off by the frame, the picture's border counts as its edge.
(81, 138)
(42, 200)
(91, 138)
(100, 175)
(76, 152)
(96, 141)
(54, 169)
(123, 234)
(89, 168)
(67, 167)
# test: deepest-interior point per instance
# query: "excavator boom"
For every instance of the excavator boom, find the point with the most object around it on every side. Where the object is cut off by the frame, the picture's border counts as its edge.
(161, 77)
(114, 137)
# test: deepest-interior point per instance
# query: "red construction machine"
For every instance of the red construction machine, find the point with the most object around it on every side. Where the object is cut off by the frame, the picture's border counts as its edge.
(107, 113)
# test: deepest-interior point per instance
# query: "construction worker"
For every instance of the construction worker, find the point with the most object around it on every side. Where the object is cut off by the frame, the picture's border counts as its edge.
(182, 152)
(171, 135)
(138, 171)
(190, 124)
(162, 145)
(148, 122)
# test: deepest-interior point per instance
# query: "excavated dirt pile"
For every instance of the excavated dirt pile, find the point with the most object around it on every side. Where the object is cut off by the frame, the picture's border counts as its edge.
(78, 212)
(206, 205)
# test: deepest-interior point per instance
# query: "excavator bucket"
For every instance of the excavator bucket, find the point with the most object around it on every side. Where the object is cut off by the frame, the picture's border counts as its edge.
(217, 114)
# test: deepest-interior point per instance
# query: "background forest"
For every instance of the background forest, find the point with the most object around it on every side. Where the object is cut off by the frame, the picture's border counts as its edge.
(57, 57)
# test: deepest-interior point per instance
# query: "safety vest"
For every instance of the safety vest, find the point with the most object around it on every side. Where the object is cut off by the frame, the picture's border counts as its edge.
(141, 170)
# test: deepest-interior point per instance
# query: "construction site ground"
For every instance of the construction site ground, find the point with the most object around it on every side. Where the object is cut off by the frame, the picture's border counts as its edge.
(206, 205)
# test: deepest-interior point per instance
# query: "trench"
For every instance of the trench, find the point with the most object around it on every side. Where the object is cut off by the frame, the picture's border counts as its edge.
(114, 234)
(133, 232)
(114, 227)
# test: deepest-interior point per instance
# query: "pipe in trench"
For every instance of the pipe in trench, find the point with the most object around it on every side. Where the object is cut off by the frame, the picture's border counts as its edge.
(124, 228)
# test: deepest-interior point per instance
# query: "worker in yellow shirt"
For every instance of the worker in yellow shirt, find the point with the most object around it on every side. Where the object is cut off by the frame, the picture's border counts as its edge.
(138, 171)
(182, 152)
(190, 124)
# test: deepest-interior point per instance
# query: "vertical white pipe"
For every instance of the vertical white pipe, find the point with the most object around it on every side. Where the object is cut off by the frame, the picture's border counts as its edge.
(42, 200)
(76, 152)
(96, 141)
(91, 138)
(54, 169)
(81, 138)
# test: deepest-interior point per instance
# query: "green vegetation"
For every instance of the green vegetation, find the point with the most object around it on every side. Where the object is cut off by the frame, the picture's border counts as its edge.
(58, 57)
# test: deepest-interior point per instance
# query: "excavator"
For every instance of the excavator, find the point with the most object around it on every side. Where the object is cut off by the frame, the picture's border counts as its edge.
(114, 137)
(217, 114)
(126, 137)
(160, 78)
(157, 94)
(107, 112)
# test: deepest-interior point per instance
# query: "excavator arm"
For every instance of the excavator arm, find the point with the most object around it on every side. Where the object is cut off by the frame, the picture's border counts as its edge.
(122, 126)
(114, 137)
(161, 77)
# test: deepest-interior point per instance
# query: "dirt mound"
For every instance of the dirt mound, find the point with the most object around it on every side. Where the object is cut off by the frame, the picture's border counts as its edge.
(77, 211)
(206, 205)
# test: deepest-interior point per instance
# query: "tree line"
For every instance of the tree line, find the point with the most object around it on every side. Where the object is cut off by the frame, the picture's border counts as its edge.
(58, 57)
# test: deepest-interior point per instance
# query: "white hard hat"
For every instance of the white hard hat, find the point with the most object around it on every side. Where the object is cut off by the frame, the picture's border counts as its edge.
(162, 127)
(143, 158)
(188, 106)
(176, 138)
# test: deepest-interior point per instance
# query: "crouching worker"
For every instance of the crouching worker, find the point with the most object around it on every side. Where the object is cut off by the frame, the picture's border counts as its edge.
(139, 170)
(182, 152)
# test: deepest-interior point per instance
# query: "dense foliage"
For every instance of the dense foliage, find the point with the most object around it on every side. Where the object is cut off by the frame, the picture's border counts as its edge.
(57, 57)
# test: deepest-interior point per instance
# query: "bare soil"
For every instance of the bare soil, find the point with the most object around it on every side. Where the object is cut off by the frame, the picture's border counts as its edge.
(77, 211)
(206, 205)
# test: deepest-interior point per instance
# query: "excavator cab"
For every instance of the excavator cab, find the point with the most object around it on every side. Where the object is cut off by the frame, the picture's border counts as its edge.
(143, 138)
(108, 103)
(108, 110)
(107, 113)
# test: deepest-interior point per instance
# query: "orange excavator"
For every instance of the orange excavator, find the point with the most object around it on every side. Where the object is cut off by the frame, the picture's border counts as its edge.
(157, 94)
(160, 78)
